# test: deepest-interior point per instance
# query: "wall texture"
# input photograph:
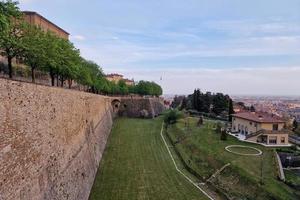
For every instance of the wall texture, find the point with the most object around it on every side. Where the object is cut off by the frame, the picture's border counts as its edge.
(141, 107)
(51, 141)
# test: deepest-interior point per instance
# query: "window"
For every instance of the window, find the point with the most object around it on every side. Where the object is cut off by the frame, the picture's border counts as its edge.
(273, 140)
(250, 123)
(275, 127)
(282, 140)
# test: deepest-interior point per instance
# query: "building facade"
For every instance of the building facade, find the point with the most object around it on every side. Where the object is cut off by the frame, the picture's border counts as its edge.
(129, 82)
(118, 77)
(260, 127)
(114, 77)
(34, 18)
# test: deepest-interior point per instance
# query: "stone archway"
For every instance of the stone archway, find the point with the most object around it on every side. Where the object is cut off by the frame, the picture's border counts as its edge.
(116, 105)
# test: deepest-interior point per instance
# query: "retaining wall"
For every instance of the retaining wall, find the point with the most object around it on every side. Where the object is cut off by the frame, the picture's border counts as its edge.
(51, 141)
(147, 107)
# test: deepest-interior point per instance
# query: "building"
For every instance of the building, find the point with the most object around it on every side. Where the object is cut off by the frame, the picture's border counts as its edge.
(295, 139)
(34, 18)
(114, 77)
(118, 77)
(129, 82)
(260, 127)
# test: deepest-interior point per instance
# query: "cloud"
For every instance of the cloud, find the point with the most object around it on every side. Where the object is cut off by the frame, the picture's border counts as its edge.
(77, 37)
(254, 27)
(120, 52)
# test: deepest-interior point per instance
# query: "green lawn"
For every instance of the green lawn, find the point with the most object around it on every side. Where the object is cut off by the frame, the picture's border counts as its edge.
(292, 177)
(136, 165)
(204, 152)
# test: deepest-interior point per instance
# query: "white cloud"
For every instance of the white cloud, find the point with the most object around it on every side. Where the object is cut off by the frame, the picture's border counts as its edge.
(253, 27)
(114, 53)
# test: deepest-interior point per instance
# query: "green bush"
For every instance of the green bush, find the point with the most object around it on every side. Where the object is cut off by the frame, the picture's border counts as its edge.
(171, 116)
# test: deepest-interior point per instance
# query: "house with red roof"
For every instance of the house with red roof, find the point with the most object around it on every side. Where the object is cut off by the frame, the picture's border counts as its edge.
(260, 127)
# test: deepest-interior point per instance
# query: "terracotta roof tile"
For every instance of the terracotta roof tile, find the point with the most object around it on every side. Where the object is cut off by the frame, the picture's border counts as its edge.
(259, 117)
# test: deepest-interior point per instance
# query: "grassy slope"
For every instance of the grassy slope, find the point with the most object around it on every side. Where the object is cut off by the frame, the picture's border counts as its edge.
(204, 151)
(136, 165)
(292, 177)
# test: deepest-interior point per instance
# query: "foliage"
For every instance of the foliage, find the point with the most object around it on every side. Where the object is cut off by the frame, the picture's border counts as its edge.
(8, 10)
(11, 36)
(148, 88)
(171, 116)
(34, 54)
(205, 154)
(177, 101)
(200, 121)
(47, 52)
(230, 110)
(295, 125)
(223, 135)
(211, 103)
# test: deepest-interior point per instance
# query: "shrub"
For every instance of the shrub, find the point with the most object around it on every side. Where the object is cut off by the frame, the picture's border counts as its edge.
(171, 116)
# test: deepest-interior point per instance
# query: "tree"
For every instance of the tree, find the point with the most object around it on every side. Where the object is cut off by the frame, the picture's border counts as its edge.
(123, 87)
(230, 110)
(183, 103)
(252, 108)
(295, 125)
(51, 61)
(177, 101)
(34, 48)
(171, 116)
(219, 127)
(200, 121)
(148, 88)
(8, 10)
(11, 37)
(223, 134)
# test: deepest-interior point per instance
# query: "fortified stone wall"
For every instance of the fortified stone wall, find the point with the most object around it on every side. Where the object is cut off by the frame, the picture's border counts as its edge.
(141, 107)
(51, 141)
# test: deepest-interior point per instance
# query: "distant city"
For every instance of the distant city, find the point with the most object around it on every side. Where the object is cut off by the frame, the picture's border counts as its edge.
(284, 106)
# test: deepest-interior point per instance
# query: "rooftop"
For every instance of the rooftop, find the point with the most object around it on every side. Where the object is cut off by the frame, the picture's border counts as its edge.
(128, 80)
(259, 117)
(112, 75)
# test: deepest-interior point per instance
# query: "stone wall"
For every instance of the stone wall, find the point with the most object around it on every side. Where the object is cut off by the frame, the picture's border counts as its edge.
(51, 141)
(147, 107)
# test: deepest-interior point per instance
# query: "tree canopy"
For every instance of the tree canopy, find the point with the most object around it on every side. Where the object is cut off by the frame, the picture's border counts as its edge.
(45, 51)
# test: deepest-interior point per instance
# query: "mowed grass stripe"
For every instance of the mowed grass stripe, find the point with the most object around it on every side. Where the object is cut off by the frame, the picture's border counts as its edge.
(136, 165)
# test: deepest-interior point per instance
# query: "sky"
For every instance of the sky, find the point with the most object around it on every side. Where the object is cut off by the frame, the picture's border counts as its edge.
(239, 47)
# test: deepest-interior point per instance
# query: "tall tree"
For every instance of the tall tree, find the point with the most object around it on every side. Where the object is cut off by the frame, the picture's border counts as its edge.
(51, 62)
(11, 34)
(295, 125)
(8, 10)
(68, 61)
(230, 110)
(34, 48)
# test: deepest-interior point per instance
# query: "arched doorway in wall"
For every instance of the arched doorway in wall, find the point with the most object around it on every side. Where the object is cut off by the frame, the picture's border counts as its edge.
(116, 105)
